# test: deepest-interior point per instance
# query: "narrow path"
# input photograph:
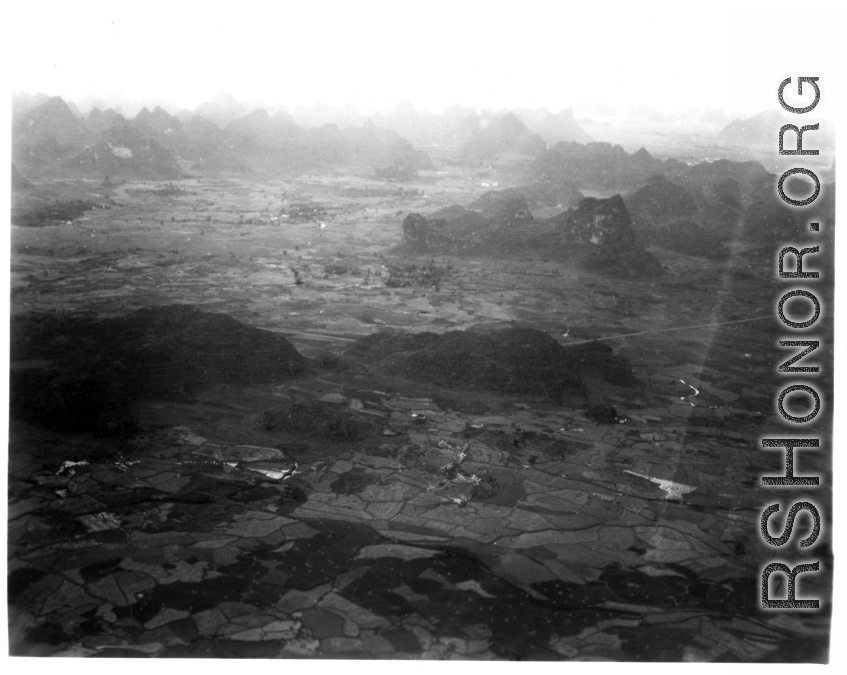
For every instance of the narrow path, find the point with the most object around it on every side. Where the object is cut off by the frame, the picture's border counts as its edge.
(667, 330)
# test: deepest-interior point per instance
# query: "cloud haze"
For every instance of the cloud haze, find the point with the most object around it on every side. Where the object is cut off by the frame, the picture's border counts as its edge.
(377, 54)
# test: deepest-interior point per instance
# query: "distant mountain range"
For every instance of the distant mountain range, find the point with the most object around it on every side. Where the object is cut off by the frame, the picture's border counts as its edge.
(762, 130)
(553, 128)
(491, 136)
(725, 198)
(49, 136)
(610, 167)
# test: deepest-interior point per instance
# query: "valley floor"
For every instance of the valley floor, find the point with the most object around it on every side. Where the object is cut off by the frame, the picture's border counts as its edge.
(467, 524)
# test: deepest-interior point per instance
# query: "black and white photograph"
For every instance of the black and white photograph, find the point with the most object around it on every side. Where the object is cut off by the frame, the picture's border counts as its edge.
(443, 331)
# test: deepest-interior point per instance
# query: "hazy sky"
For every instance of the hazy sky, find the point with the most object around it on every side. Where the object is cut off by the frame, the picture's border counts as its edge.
(667, 56)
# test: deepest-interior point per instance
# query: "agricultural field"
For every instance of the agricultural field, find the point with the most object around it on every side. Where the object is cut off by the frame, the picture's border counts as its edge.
(365, 504)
